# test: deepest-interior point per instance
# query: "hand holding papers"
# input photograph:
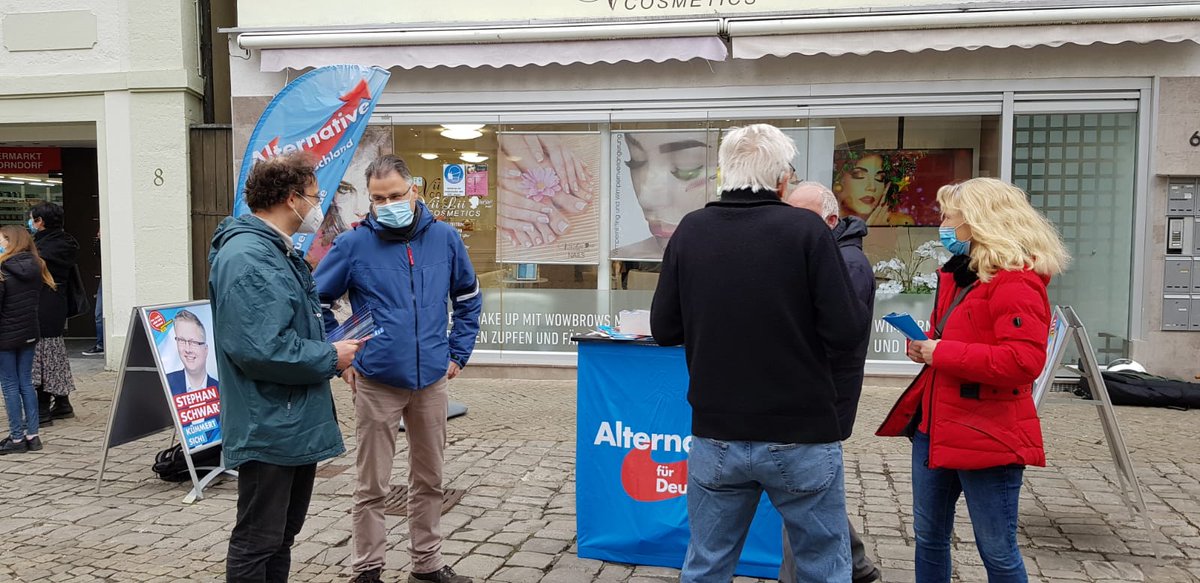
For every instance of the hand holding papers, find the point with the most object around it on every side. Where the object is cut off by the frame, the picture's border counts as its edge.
(359, 326)
(906, 326)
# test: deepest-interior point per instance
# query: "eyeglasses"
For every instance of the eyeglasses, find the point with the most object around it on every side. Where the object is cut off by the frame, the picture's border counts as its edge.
(794, 179)
(380, 199)
(190, 343)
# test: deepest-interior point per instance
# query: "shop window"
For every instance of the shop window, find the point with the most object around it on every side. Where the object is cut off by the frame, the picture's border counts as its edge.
(566, 223)
(1079, 170)
(21, 192)
(887, 171)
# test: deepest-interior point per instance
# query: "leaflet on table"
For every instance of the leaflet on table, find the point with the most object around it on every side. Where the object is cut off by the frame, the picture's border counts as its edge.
(359, 326)
(610, 332)
(906, 326)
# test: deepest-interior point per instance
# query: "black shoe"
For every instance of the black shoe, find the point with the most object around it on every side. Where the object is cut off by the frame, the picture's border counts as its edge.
(45, 420)
(443, 575)
(62, 409)
(96, 350)
(44, 400)
(371, 576)
(874, 575)
(7, 446)
(34, 444)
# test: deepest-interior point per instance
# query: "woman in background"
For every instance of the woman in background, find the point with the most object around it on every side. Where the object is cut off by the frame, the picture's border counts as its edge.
(51, 368)
(22, 277)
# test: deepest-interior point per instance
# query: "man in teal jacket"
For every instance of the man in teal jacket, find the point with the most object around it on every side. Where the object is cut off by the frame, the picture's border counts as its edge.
(277, 410)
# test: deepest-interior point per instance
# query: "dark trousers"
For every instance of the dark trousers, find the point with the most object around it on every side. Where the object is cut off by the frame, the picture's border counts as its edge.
(272, 503)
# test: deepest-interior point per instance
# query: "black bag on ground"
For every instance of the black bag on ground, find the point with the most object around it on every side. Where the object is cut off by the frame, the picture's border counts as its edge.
(1146, 390)
(171, 466)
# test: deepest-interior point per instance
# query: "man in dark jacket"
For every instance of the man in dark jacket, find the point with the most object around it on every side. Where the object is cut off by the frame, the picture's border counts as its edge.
(407, 268)
(847, 365)
(277, 411)
(60, 252)
(757, 293)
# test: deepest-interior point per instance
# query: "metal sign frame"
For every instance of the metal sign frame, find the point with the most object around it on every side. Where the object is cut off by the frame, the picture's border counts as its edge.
(1065, 326)
(139, 362)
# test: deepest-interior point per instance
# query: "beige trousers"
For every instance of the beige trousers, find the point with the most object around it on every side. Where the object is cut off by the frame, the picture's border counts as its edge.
(378, 409)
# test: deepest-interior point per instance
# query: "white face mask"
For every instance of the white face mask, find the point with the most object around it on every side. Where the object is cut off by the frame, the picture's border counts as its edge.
(311, 221)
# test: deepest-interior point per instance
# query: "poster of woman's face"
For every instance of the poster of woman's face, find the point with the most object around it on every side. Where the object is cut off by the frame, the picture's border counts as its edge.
(897, 187)
(351, 203)
(658, 177)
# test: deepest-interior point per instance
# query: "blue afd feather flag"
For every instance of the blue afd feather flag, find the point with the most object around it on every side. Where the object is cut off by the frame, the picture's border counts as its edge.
(324, 111)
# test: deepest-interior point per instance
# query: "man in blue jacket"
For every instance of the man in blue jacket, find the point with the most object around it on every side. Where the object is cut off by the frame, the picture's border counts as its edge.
(274, 364)
(405, 267)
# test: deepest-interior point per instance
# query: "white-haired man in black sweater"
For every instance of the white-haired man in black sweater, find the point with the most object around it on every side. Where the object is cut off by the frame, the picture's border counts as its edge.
(758, 294)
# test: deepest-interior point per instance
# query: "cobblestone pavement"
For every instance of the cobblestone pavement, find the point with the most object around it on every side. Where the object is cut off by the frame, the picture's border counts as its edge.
(514, 454)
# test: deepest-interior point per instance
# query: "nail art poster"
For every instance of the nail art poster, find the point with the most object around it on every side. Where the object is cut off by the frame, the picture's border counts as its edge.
(547, 188)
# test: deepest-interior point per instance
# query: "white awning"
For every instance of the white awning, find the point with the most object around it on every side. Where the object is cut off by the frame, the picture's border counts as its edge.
(917, 40)
(501, 54)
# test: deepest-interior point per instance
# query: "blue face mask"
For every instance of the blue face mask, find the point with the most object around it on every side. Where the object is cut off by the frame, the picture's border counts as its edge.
(1, 249)
(29, 225)
(396, 215)
(951, 243)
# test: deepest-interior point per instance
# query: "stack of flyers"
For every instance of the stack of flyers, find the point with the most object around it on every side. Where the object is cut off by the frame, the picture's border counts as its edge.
(359, 326)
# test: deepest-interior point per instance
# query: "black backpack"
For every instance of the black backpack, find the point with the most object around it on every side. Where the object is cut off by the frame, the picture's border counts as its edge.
(171, 466)
(1145, 390)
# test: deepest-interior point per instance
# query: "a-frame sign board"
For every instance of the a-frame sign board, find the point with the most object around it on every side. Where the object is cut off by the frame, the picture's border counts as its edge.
(144, 403)
(1065, 326)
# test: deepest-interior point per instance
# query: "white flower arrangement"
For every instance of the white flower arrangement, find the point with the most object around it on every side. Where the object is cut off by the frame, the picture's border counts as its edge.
(906, 273)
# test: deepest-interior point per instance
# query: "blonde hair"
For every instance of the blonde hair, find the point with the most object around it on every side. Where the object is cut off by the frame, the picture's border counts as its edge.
(1008, 234)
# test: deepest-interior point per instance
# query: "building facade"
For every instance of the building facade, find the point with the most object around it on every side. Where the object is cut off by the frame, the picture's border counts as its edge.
(566, 140)
(109, 88)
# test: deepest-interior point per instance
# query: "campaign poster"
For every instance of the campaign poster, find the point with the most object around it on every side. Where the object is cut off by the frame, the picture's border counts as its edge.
(183, 343)
(548, 203)
(897, 187)
(658, 177)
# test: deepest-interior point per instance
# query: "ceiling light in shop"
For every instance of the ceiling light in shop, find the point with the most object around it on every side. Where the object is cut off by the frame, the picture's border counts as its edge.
(462, 131)
(472, 157)
(428, 155)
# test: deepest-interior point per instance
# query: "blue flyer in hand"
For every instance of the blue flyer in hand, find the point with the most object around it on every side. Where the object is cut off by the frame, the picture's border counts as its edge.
(359, 326)
(906, 325)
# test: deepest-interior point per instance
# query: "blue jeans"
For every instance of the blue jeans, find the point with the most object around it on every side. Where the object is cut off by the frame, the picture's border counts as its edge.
(20, 400)
(99, 314)
(804, 482)
(992, 498)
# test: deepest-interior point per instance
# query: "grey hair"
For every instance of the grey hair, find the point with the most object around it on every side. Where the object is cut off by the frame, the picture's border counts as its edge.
(829, 201)
(756, 157)
(387, 164)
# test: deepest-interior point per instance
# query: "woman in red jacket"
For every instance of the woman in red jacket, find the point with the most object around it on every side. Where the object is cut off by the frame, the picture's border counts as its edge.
(970, 412)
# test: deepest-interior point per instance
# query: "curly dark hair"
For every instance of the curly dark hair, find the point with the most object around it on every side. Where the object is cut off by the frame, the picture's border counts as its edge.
(273, 180)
